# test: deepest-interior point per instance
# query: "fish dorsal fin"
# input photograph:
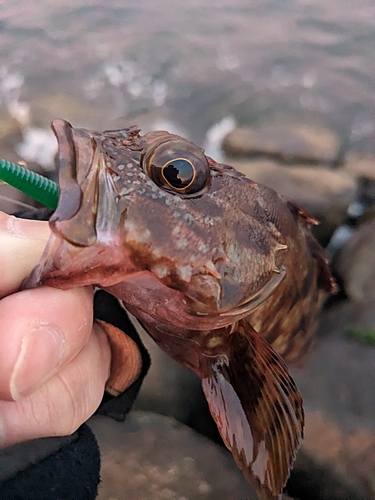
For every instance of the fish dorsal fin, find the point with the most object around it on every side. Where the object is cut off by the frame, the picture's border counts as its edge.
(257, 408)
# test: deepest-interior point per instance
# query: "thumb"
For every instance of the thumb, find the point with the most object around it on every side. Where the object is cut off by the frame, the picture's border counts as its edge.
(22, 242)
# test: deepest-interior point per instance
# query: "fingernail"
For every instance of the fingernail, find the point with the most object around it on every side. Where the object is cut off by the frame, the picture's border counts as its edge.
(40, 354)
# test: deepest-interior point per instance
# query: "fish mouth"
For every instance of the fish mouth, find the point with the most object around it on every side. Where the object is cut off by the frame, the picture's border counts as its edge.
(64, 265)
(87, 207)
(85, 238)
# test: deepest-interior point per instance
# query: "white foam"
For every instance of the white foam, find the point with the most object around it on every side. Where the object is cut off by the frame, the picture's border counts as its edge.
(38, 145)
(215, 135)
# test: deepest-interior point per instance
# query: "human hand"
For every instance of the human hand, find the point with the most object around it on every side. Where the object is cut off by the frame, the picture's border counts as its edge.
(54, 361)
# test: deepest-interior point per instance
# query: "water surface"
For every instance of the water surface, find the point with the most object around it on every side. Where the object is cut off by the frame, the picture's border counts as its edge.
(192, 63)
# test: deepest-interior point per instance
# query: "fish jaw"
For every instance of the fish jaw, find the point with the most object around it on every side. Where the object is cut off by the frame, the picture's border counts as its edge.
(64, 265)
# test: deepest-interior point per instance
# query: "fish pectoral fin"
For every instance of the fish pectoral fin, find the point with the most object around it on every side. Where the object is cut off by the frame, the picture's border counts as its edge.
(257, 408)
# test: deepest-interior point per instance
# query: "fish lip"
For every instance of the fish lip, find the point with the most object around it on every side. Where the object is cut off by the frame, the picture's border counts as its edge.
(87, 191)
(71, 194)
(70, 197)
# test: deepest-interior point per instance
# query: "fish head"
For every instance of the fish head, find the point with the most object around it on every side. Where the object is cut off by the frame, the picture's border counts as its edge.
(155, 204)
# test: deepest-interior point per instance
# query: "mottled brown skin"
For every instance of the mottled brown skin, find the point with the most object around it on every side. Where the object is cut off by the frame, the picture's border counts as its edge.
(222, 272)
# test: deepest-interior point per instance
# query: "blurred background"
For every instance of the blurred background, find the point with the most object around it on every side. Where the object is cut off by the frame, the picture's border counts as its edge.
(283, 90)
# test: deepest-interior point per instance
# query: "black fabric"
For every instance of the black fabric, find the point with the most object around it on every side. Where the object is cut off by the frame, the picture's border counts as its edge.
(71, 473)
(19, 457)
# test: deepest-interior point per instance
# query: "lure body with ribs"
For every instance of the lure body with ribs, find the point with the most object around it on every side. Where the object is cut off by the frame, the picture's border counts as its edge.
(222, 272)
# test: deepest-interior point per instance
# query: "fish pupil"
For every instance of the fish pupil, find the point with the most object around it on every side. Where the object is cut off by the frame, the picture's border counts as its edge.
(179, 173)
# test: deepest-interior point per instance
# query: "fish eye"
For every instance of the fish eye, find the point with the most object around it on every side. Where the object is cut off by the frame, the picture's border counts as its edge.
(179, 173)
(178, 166)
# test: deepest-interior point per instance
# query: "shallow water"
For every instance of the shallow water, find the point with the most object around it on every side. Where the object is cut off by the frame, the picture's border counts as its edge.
(106, 64)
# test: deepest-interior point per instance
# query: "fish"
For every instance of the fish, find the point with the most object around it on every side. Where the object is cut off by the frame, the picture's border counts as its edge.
(222, 272)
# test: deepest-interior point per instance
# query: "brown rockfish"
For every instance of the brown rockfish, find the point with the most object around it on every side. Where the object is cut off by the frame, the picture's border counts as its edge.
(222, 272)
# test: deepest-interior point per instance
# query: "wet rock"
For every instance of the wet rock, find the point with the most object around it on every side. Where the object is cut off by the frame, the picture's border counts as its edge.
(366, 197)
(286, 143)
(10, 136)
(11, 199)
(154, 457)
(337, 384)
(333, 463)
(314, 479)
(368, 215)
(355, 264)
(10, 131)
(338, 376)
(360, 165)
(346, 458)
(46, 107)
(325, 193)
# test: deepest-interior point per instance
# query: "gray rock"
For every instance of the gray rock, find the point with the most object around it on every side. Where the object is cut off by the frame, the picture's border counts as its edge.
(10, 131)
(313, 479)
(338, 377)
(355, 263)
(337, 384)
(284, 142)
(360, 165)
(154, 457)
(362, 168)
(368, 215)
(325, 193)
(11, 199)
(46, 106)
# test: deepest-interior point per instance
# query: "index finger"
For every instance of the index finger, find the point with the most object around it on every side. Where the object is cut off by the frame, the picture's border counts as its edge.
(22, 242)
